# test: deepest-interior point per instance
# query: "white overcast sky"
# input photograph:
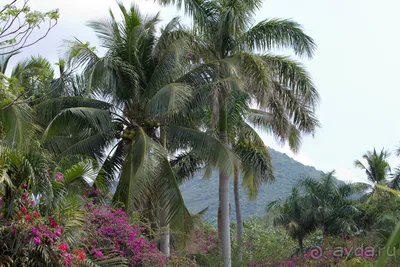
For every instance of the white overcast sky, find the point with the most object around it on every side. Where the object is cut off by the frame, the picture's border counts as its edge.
(355, 69)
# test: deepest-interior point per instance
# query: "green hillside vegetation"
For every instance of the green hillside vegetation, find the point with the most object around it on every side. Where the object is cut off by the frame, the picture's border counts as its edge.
(200, 193)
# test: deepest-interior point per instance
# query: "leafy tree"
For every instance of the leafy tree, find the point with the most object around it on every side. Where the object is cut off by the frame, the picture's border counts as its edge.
(143, 77)
(18, 22)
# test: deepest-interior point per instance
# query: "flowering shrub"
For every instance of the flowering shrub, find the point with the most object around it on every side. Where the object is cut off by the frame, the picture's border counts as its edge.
(31, 237)
(109, 229)
(203, 241)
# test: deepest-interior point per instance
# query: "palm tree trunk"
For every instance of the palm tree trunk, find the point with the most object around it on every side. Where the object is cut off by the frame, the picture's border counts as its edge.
(239, 219)
(300, 241)
(165, 236)
(9, 202)
(223, 218)
(325, 232)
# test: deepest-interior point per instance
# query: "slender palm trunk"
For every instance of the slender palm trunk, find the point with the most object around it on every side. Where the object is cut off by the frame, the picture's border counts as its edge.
(239, 219)
(9, 202)
(223, 216)
(164, 239)
(165, 236)
(325, 232)
(300, 241)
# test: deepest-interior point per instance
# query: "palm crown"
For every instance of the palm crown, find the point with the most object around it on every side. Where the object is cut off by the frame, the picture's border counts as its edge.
(140, 76)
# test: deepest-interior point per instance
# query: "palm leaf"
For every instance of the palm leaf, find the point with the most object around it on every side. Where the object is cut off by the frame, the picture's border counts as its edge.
(292, 75)
(279, 33)
(17, 121)
(169, 100)
(204, 145)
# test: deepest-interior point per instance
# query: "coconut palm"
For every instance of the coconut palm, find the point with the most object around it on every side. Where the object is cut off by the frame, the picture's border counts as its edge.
(228, 50)
(142, 78)
(27, 82)
(377, 168)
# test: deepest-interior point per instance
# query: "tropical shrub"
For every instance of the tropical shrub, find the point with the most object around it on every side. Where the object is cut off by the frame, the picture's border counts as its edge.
(30, 239)
(109, 230)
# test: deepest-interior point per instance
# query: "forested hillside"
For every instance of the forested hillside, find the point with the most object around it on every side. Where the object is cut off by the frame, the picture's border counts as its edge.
(200, 193)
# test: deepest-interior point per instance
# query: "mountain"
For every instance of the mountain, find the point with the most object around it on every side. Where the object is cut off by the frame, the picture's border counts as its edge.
(201, 193)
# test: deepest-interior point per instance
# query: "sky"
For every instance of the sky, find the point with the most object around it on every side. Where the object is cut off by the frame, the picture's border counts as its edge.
(354, 69)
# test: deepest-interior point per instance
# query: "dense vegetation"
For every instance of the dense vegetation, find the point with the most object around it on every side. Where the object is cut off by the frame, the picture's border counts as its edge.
(200, 193)
(92, 162)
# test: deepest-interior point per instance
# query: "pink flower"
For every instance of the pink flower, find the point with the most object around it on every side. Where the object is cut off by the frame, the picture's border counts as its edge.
(28, 217)
(80, 253)
(35, 232)
(63, 246)
(97, 253)
(23, 209)
(25, 185)
(53, 222)
(59, 176)
(36, 214)
(37, 240)
(58, 232)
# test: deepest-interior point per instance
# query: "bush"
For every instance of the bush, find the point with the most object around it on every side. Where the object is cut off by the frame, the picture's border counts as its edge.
(32, 240)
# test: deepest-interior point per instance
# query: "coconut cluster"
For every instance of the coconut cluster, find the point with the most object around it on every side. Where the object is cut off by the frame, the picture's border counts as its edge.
(128, 134)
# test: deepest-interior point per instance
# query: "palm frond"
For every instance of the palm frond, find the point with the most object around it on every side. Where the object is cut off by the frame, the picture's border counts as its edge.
(279, 33)
(18, 124)
(49, 109)
(256, 167)
(186, 165)
(294, 76)
(169, 100)
(394, 183)
(204, 145)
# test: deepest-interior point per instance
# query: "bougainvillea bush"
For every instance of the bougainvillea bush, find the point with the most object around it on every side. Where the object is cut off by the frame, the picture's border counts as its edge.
(29, 239)
(108, 229)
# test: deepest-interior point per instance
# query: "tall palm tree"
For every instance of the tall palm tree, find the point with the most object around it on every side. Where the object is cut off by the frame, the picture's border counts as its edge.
(377, 168)
(145, 82)
(278, 85)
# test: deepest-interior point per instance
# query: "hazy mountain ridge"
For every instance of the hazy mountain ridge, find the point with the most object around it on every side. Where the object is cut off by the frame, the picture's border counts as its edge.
(199, 193)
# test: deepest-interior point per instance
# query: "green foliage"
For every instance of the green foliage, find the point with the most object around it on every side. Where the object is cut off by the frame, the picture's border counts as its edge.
(377, 168)
(261, 242)
(199, 193)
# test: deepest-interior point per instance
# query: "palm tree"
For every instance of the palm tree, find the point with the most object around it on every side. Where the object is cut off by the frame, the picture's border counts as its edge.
(279, 86)
(394, 183)
(142, 78)
(27, 82)
(292, 215)
(330, 204)
(377, 168)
